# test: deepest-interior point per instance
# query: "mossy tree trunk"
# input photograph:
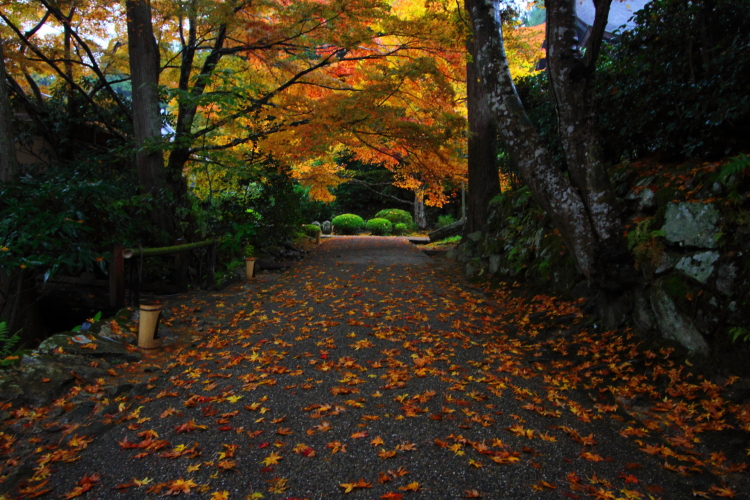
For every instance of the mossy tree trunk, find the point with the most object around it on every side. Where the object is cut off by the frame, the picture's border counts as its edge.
(582, 205)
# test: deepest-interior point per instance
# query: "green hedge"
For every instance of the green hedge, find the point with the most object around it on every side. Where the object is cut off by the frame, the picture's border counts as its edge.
(311, 230)
(379, 227)
(400, 229)
(347, 224)
(396, 216)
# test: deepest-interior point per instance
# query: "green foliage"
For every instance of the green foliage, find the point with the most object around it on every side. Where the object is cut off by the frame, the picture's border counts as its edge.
(379, 227)
(400, 229)
(445, 220)
(739, 332)
(677, 84)
(264, 209)
(732, 171)
(645, 243)
(65, 218)
(7, 342)
(347, 224)
(311, 230)
(395, 216)
(537, 98)
(369, 194)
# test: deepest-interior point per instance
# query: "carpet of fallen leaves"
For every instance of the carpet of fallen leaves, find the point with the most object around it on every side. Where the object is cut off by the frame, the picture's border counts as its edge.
(371, 371)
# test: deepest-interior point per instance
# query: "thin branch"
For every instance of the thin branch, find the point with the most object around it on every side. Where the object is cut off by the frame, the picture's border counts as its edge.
(94, 66)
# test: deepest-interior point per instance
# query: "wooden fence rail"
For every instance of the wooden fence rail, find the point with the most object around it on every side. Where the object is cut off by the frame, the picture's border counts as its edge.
(136, 256)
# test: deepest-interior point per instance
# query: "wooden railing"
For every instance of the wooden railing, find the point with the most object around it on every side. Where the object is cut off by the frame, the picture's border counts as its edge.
(135, 257)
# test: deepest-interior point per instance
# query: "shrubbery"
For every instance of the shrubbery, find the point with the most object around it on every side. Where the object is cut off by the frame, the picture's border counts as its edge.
(444, 220)
(311, 230)
(379, 227)
(675, 86)
(400, 229)
(396, 216)
(347, 224)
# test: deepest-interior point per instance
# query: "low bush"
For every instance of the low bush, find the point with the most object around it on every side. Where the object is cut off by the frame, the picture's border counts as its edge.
(347, 224)
(311, 230)
(400, 229)
(396, 216)
(444, 220)
(379, 227)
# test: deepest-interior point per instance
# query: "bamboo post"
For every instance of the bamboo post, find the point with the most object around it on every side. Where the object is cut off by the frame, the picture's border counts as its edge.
(148, 324)
(117, 278)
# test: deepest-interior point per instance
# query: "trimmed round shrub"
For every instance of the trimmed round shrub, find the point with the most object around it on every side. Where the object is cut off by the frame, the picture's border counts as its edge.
(396, 216)
(379, 227)
(347, 224)
(400, 229)
(311, 230)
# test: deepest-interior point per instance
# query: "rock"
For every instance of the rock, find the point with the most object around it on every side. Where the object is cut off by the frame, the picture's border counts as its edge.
(691, 224)
(666, 264)
(643, 316)
(315, 223)
(494, 265)
(646, 200)
(452, 253)
(325, 227)
(613, 308)
(104, 348)
(471, 270)
(476, 236)
(42, 380)
(726, 278)
(673, 324)
(699, 266)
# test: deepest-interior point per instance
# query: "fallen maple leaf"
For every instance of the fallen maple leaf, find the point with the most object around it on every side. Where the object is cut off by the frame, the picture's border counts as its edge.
(392, 496)
(472, 494)
(180, 486)
(83, 485)
(410, 487)
(272, 459)
(348, 487)
(189, 427)
(220, 495)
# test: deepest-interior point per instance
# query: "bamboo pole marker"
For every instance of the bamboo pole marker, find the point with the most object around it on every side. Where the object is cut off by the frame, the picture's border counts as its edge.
(147, 324)
(250, 267)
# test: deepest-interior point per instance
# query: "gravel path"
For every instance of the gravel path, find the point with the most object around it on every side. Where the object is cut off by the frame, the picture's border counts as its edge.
(367, 371)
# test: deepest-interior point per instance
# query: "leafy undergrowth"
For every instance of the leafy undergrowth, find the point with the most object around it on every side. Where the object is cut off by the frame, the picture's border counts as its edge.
(395, 381)
(445, 243)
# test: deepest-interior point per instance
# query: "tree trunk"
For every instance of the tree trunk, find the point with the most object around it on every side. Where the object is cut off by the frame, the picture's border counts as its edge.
(420, 219)
(484, 182)
(18, 301)
(144, 71)
(8, 161)
(583, 208)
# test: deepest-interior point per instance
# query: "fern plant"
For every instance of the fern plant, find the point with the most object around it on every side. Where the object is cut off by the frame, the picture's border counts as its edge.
(7, 342)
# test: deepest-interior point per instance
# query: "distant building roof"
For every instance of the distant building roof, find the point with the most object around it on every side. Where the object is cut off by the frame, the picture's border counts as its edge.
(619, 13)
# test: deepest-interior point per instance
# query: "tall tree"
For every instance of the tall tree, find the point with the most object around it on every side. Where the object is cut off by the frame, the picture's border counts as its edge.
(147, 122)
(582, 205)
(8, 162)
(484, 181)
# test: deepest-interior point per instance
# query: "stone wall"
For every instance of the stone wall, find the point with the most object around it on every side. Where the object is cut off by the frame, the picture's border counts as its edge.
(691, 248)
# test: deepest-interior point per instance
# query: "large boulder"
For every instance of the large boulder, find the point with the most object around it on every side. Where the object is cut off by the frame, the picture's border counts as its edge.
(88, 345)
(692, 224)
(674, 325)
(325, 227)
